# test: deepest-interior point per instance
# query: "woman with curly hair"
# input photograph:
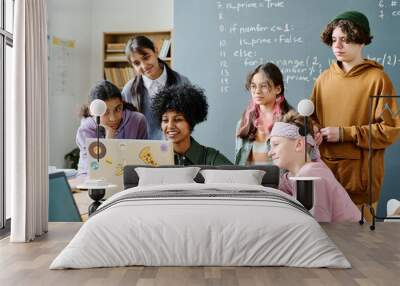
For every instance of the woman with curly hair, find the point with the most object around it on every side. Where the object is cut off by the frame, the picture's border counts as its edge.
(267, 105)
(178, 109)
(341, 98)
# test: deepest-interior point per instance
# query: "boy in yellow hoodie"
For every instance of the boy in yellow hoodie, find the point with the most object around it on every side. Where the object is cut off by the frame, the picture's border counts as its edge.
(341, 98)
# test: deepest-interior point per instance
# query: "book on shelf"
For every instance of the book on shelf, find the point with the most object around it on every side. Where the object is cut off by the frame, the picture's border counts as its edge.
(115, 47)
(165, 48)
(158, 45)
(119, 76)
(116, 57)
(107, 74)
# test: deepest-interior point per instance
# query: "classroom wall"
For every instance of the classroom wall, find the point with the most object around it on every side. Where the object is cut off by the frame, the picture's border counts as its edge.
(68, 20)
(85, 21)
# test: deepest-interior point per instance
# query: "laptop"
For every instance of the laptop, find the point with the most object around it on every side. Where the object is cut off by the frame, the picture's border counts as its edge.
(62, 205)
(115, 154)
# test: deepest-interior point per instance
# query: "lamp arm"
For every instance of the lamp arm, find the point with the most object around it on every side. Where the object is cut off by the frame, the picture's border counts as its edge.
(305, 139)
(98, 136)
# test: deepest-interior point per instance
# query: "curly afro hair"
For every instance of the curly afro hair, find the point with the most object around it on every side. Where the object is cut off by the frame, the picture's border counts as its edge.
(187, 99)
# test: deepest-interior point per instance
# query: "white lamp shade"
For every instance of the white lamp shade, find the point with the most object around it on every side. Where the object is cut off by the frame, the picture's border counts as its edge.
(305, 107)
(98, 107)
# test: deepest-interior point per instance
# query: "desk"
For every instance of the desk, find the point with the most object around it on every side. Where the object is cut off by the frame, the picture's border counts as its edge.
(83, 201)
(75, 181)
(81, 197)
(93, 193)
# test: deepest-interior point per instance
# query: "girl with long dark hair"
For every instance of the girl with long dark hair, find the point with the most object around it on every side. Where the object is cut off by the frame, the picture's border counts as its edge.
(120, 121)
(152, 74)
(267, 105)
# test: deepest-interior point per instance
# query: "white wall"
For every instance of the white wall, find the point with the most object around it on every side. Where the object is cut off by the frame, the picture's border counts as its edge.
(85, 21)
(68, 19)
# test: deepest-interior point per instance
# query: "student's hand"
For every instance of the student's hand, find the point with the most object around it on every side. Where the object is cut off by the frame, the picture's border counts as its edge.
(110, 132)
(330, 134)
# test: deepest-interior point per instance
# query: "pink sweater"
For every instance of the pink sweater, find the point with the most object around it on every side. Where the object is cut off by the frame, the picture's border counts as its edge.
(331, 201)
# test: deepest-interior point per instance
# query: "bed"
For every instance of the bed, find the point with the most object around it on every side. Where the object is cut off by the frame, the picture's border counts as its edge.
(201, 223)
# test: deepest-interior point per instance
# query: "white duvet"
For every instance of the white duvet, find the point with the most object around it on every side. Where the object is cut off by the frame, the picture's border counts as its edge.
(183, 231)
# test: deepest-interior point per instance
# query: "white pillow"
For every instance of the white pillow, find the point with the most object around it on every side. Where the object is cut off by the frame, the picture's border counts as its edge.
(249, 177)
(163, 176)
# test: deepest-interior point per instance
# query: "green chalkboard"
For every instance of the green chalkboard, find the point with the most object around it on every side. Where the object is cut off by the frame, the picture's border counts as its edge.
(216, 44)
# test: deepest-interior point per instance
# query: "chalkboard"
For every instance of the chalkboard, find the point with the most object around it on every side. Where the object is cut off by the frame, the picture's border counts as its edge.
(217, 43)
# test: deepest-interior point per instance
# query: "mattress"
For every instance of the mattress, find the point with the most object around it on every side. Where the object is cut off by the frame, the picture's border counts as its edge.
(201, 225)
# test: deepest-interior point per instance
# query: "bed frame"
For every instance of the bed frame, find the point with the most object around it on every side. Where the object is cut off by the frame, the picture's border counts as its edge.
(270, 179)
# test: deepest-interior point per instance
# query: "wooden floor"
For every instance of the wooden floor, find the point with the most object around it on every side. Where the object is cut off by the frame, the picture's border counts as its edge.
(374, 255)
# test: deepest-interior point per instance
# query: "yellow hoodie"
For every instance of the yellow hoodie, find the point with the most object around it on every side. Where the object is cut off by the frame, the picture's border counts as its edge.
(342, 100)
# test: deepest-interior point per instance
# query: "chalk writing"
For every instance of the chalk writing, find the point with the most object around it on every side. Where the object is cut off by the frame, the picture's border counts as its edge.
(288, 39)
(386, 59)
(388, 7)
(306, 69)
(239, 6)
(223, 63)
(258, 28)
(396, 8)
(252, 43)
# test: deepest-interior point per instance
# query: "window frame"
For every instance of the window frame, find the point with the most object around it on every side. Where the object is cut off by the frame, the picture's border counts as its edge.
(6, 39)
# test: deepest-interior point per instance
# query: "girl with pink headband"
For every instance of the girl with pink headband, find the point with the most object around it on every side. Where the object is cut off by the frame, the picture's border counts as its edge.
(331, 201)
(266, 106)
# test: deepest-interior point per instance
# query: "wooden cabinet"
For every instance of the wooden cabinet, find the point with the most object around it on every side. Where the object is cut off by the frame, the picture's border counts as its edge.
(116, 67)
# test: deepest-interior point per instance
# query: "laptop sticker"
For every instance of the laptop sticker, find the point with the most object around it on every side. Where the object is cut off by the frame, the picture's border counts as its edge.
(94, 150)
(94, 165)
(146, 156)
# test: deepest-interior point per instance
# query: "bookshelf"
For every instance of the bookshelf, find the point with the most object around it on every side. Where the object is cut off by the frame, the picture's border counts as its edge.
(116, 67)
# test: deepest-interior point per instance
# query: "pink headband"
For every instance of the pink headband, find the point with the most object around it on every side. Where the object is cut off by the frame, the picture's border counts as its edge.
(291, 131)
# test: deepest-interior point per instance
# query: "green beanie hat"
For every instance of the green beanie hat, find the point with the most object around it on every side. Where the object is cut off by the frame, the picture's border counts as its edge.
(357, 18)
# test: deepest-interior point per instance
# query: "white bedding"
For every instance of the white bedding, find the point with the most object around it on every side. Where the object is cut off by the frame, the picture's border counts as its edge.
(182, 231)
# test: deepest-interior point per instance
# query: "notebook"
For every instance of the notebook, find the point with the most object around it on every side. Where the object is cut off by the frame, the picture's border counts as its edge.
(114, 154)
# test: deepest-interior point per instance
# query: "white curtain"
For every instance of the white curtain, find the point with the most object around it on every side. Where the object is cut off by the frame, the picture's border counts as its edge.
(26, 123)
